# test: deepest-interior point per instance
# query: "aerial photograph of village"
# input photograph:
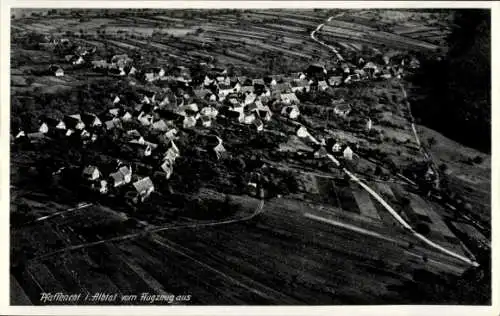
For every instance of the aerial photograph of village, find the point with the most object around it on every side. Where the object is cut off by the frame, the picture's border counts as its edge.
(250, 156)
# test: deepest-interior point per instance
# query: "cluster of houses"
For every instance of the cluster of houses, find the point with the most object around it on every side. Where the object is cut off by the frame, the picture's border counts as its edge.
(241, 99)
(304, 144)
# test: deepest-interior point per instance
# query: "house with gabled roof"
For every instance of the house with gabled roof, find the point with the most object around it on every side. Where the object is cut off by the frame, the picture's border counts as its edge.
(205, 121)
(246, 89)
(143, 188)
(219, 151)
(225, 90)
(291, 111)
(114, 111)
(249, 97)
(259, 125)
(264, 113)
(160, 125)
(251, 107)
(289, 98)
(320, 153)
(112, 124)
(56, 70)
(322, 85)
(302, 132)
(347, 153)
(300, 85)
(168, 168)
(189, 122)
(337, 147)
(171, 134)
(209, 111)
(145, 119)
(121, 177)
(249, 118)
(342, 109)
(91, 173)
(172, 152)
(127, 117)
(335, 81)
(74, 122)
(49, 124)
(91, 120)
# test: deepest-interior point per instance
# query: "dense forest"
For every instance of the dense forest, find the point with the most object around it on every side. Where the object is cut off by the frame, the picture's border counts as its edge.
(454, 94)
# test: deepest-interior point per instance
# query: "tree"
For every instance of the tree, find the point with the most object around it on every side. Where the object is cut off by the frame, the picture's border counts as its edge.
(443, 168)
(477, 160)
(431, 141)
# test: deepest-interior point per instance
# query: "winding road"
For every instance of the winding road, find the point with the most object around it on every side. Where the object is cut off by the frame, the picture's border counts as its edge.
(370, 190)
(153, 230)
(318, 28)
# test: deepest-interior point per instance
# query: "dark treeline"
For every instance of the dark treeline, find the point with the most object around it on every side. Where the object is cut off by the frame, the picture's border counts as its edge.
(456, 90)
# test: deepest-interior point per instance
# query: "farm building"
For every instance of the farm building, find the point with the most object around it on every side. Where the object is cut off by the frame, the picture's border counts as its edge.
(112, 124)
(100, 64)
(160, 125)
(77, 60)
(370, 68)
(209, 111)
(337, 147)
(246, 89)
(290, 111)
(347, 153)
(127, 116)
(219, 151)
(189, 122)
(300, 85)
(249, 98)
(143, 188)
(74, 122)
(206, 121)
(56, 70)
(170, 134)
(172, 152)
(302, 132)
(120, 61)
(265, 113)
(249, 118)
(114, 111)
(342, 109)
(320, 153)
(145, 119)
(167, 167)
(298, 75)
(91, 173)
(335, 81)
(289, 98)
(258, 125)
(121, 177)
(322, 85)
(102, 187)
(50, 123)
(91, 120)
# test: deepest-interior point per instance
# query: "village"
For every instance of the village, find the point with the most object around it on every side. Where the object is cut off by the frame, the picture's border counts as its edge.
(136, 143)
(184, 104)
